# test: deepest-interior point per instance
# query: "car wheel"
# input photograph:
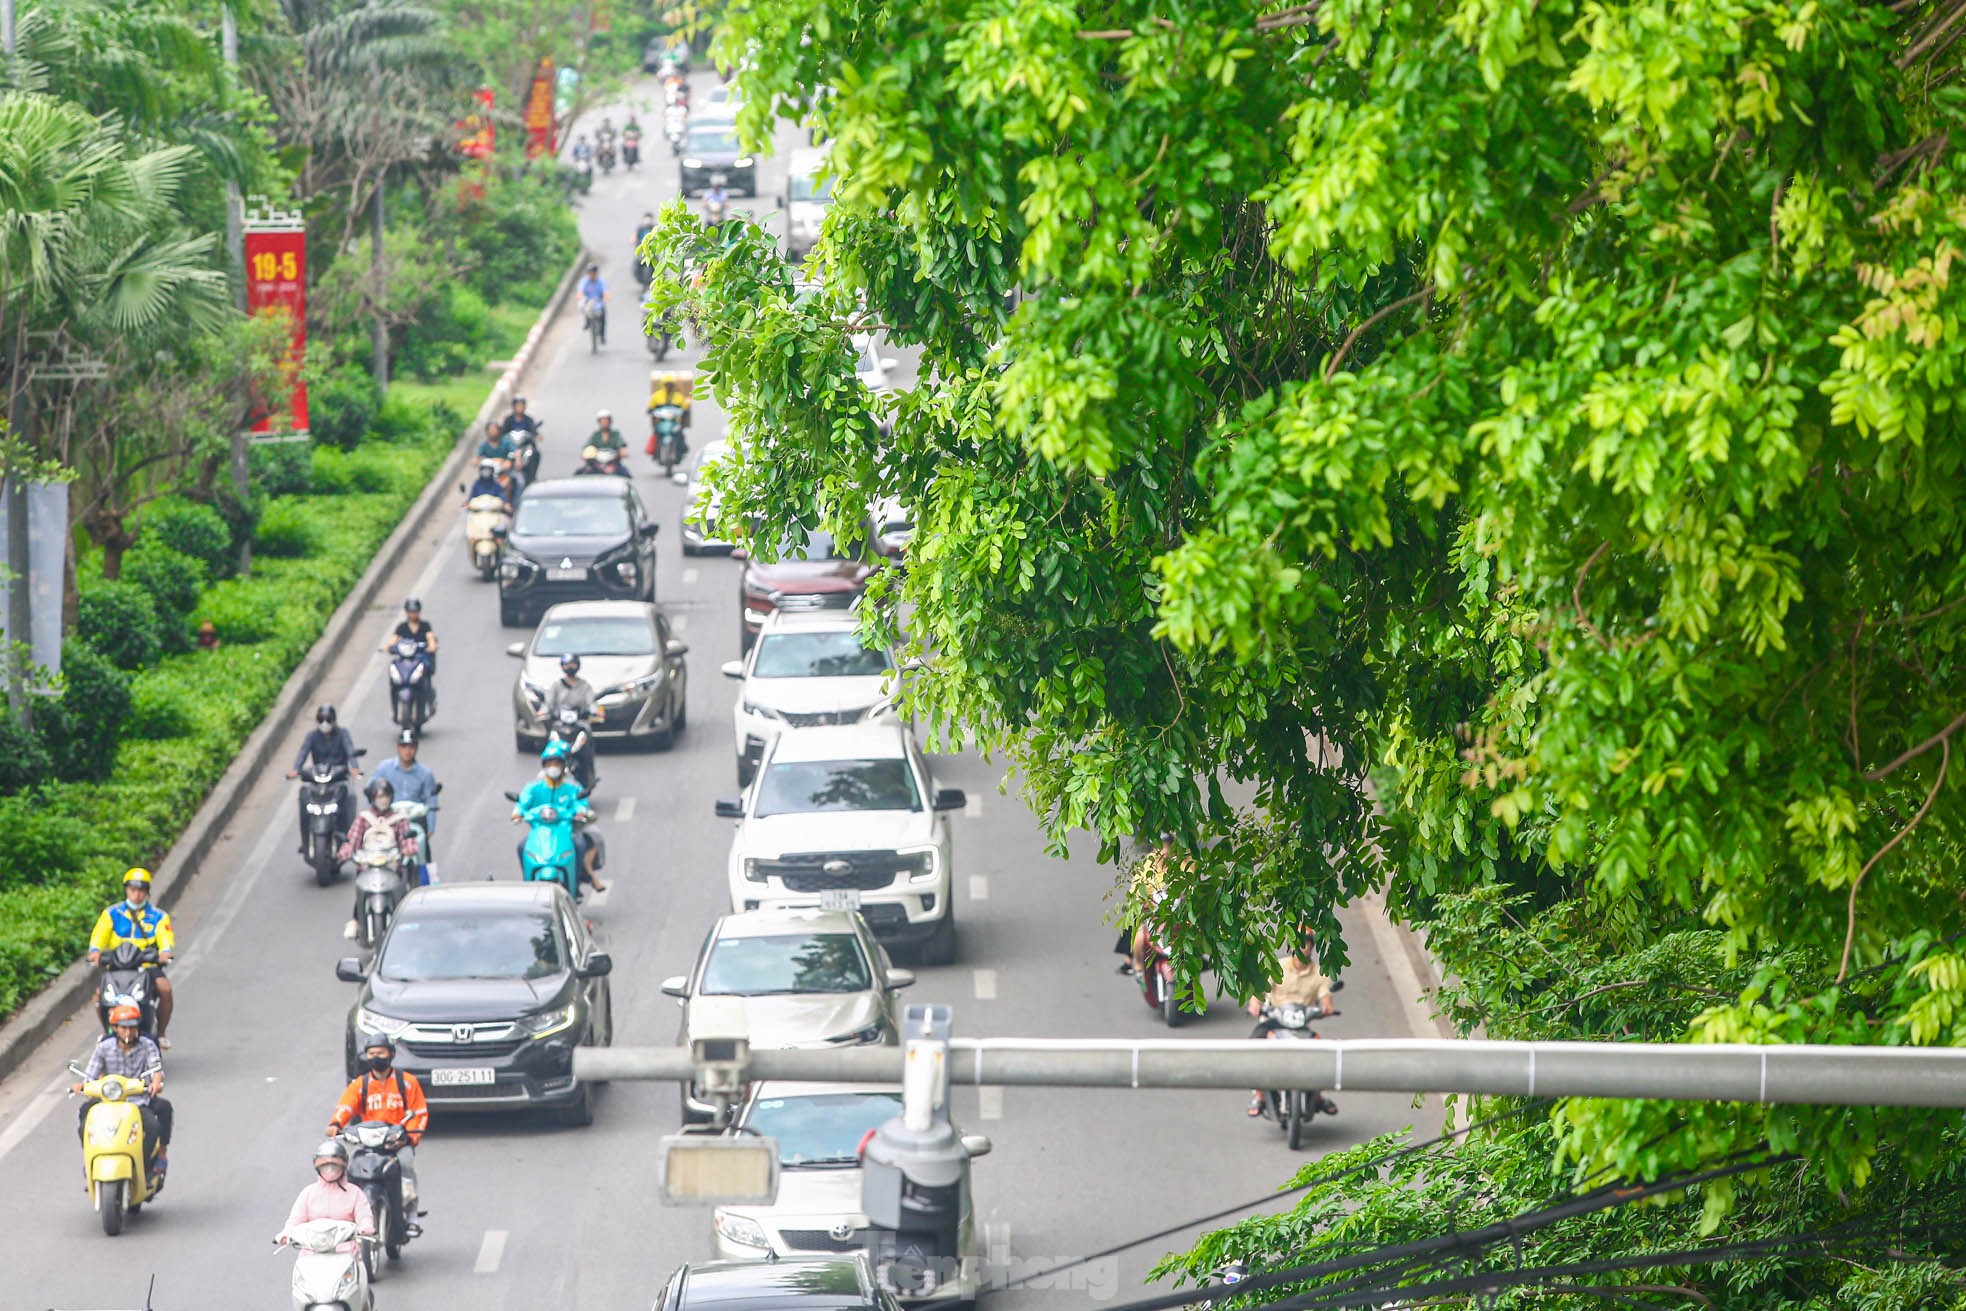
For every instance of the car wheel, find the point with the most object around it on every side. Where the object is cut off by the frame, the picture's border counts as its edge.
(662, 739)
(940, 949)
(578, 1113)
(680, 720)
(690, 550)
(510, 615)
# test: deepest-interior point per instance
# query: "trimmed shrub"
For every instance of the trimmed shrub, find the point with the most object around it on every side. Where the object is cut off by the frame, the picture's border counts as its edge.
(159, 708)
(400, 420)
(287, 530)
(174, 581)
(197, 530)
(118, 620)
(283, 469)
(331, 472)
(24, 758)
(374, 470)
(341, 407)
(41, 843)
(244, 611)
(82, 728)
(453, 335)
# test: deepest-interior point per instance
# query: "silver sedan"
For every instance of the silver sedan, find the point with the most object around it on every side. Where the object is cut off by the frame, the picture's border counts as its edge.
(627, 654)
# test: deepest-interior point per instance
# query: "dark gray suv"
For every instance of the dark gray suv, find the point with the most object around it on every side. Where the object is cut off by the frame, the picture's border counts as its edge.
(576, 539)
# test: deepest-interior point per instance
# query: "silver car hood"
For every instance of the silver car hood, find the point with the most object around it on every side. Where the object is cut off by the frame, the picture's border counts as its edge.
(601, 672)
(808, 1018)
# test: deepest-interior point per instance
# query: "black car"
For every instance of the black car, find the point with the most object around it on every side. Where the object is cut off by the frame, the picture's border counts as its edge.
(712, 148)
(828, 1283)
(576, 539)
(487, 988)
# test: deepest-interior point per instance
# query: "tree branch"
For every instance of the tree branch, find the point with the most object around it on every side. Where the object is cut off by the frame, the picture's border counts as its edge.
(1331, 365)
(1911, 754)
(1856, 885)
(1577, 596)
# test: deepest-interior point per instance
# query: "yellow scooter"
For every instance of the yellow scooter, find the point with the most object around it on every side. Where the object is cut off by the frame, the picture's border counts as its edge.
(119, 1167)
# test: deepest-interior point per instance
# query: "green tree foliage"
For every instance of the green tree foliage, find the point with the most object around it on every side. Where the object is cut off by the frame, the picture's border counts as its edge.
(1515, 438)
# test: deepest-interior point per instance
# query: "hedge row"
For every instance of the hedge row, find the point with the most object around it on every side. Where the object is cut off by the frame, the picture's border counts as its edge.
(68, 842)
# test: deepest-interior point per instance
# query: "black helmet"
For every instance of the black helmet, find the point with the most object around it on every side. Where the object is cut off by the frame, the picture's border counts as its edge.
(379, 785)
(570, 663)
(518, 400)
(406, 738)
(324, 714)
(414, 605)
(379, 1040)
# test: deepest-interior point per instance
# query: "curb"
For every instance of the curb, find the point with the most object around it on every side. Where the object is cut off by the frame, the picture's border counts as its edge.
(64, 995)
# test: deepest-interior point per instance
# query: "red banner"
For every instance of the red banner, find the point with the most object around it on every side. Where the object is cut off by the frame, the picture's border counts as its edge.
(541, 136)
(477, 134)
(276, 279)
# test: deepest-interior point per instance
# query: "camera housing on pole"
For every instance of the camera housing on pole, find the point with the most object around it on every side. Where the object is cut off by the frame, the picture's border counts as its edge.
(915, 1180)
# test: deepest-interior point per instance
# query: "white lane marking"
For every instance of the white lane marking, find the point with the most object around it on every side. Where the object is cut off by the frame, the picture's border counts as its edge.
(973, 805)
(986, 985)
(690, 576)
(979, 888)
(490, 1252)
(624, 810)
(989, 1103)
(678, 622)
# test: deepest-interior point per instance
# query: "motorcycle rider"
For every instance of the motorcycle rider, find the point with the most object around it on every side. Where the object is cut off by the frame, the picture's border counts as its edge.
(414, 628)
(492, 481)
(518, 421)
(716, 203)
(1300, 984)
(553, 787)
(644, 271)
(412, 781)
(378, 829)
(1135, 942)
(605, 136)
(631, 140)
(128, 1053)
(594, 296)
(576, 692)
(393, 1096)
(594, 460)
(134, 920)
(606, 437)
(327, 747)
(330, 1197)
(583, 154)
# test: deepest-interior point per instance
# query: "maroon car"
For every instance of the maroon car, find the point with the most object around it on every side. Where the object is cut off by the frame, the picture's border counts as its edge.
(815, 575)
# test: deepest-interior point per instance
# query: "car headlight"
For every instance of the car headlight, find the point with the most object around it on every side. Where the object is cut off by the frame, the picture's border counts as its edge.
(753, 708)
(691, 161)
(753, 871)
(741, 1230)
(866, 1037)
(547, 1022)
(367, 1021)
(921, 864)
(742, 161)
(646, 683)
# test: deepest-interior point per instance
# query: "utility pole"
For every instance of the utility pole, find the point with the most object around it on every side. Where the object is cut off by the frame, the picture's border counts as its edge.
(7, 27)
(235, 246)
(379, 332)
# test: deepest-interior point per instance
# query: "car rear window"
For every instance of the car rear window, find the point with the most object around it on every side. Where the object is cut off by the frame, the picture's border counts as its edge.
(786, 963)
(816, 655)
(815, 786)
(485, 945)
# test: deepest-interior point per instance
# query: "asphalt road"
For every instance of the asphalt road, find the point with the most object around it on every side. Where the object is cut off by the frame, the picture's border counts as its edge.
(526, 1214)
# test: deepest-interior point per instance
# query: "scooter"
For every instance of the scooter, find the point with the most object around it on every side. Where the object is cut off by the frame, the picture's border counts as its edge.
(1293, 1108)
(119, 1167)
(569, 728)
(550, 854)
(525, 456)
(670, 447)
(326, 1278)
(486, 526)
(410, 693)
(604, 156)
(631, 152)
(325, 803)
(374, 1167)
(1156, 982)
(716, 212)
(675, 125)
(125, 982)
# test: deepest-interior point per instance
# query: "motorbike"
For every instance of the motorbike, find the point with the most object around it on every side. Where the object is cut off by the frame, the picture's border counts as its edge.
(550, 852)
(1293, 1108)
(125, 982)
(660, 334)
(604, 156)
(328, 812)
(631, 152)
(384, 878)
(325, 1276)
(409, 684)
(1156, 980)
(716, 212)
(119, 1167)
(486, 526)
(670, 447)
(374, 1167)
(675, 124)
(570, 727)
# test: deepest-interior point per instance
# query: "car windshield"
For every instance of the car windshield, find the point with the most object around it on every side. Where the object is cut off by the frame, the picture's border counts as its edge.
(816, 655)
(427, 948)
(718, 140)
(805, 786)
(599, 635)
(810, 188)
(824, 1129)
(784, 963)
(570, 516)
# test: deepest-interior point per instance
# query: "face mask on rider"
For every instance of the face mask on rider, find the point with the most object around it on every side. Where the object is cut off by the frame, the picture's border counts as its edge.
(554, 771)
(330, 1171)
(377, 1064)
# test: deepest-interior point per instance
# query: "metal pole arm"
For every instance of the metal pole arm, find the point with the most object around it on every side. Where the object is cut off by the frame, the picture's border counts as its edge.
(1791, 1075)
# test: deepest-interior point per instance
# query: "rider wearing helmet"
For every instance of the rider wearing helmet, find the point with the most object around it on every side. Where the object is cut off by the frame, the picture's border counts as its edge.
(413, 781)
(518, 421)
(575, 693)
(128, 1053)
(328, 747)
(378, 829)
(492, 481)
(134, 920)
(330, 1196)
(606, 437)
(392, 1096)
(554, 788)
(415, 628)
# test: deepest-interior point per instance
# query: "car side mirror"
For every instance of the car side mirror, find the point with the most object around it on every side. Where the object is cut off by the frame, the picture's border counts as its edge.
(976, 1145)
(899, 978)
(950, 799)
(676, 985)
(517, 650)
(730, 807)
(651, 529)
(676, 646)
(349, 969)
(733, 669)
(599, 965)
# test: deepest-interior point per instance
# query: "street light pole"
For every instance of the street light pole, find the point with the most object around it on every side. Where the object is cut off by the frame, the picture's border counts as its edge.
(235, 246)
(7, 26)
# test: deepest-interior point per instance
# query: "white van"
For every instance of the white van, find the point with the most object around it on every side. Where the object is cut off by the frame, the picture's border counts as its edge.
(806, 200)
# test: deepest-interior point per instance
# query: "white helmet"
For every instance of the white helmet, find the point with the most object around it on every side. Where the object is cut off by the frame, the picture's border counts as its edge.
(603, 414)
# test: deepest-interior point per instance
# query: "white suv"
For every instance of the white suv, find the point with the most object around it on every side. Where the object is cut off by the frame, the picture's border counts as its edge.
(848, 818)
(808, 669)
